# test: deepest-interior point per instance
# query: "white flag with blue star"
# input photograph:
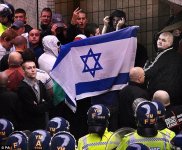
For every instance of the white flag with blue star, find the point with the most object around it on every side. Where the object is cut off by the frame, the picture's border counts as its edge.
(95, 65)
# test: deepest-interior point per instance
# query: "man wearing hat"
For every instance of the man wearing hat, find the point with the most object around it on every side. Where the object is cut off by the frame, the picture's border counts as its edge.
(59, 28)
(19, 27)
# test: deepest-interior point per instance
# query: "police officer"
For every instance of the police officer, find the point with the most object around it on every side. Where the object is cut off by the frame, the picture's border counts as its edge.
(6, 16)
(57, 124)
(146, 133)
(98, 136)
(63, 141)
(161, 125)
(176, 142)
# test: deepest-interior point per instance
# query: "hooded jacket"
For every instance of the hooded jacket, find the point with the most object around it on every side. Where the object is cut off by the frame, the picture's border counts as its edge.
(51, 50)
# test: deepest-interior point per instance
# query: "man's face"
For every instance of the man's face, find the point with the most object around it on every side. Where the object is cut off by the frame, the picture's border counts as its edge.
(115, 20)
(34, 36)
(30, 70)
(20, 16)
(45, 18)
(163, 42)
(82, 20)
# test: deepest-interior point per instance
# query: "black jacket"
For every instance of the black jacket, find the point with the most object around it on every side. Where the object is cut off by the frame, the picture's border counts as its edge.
(126, 97)
(10, 106)
(165, 73)
(72, 32)
(34, 111)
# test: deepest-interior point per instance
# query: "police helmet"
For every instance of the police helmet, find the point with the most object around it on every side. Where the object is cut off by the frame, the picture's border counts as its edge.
(5, 11)
(39, 139)
(146, 114)
(98, 115)
(160, 109)
(137, 146)
(176, 142)
(57, 124)
(63, 140)
(6, 128)
(136, 103)
(17, 140)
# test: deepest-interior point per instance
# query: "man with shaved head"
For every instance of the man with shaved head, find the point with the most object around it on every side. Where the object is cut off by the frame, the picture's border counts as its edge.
(128, 94)
(20, 43)
(14, 72)
(173, 114)
(165, 72)
(162, 96)
(9, 102)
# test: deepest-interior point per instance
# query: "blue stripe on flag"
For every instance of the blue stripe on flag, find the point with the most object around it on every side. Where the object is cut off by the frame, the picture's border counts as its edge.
(117, 35)
(100, 85)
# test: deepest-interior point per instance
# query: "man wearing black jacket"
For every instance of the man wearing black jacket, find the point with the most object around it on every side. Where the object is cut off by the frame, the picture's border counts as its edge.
(165, 72)
(34, 98)
(78, 23)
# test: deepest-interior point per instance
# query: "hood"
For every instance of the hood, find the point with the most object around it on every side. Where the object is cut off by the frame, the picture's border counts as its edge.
(50, 44)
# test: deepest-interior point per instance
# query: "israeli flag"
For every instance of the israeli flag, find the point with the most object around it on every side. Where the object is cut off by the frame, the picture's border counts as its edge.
(95, 65)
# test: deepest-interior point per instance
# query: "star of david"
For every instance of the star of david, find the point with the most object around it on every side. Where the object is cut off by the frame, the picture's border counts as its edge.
(93, 56)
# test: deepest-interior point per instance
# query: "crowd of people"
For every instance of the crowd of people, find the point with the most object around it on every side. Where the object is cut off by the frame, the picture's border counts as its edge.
(34, 114)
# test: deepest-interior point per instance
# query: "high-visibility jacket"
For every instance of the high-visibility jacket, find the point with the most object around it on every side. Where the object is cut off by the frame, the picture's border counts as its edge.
(159, 142)
(168, 132)
(93, 141)
(2, 28)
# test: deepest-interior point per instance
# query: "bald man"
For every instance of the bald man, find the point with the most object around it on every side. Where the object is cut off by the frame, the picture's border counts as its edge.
(9, 102)
(173, 114)
(162, 96)
(15, 72)
(128, 94)
(20, 43)
(165, 72)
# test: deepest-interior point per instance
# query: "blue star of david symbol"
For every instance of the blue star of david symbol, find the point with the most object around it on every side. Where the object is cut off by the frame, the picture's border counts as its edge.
(95, 57)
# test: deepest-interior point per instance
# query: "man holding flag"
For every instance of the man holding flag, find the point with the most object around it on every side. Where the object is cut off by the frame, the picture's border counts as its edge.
(96, 65)
(92, 67)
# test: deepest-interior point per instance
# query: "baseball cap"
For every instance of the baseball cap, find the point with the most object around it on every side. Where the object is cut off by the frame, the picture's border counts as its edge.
(79, 37)
(17, 24)
(58, 19)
